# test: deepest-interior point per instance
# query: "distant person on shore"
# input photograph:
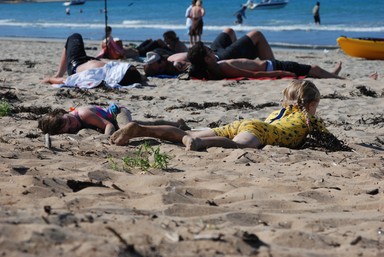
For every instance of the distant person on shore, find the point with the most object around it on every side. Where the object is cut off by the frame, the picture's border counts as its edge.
(188, 22)
(89, 72)
(287, 127)
(225, 46)
(104, 120)
(196, 14)
(240, 14)
(316, 13)
(206, 66)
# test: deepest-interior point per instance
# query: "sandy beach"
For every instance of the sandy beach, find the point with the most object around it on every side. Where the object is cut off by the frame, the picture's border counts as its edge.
(77, 198)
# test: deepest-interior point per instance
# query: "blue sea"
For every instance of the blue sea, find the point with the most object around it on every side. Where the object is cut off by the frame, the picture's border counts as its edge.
(137, 20)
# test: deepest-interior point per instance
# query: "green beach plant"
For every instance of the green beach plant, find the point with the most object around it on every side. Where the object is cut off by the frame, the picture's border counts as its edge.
(147, 157)
(5, 108)
(112, 162)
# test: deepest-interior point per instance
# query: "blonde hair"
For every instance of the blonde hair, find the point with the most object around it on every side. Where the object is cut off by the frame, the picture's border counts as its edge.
(299, 93)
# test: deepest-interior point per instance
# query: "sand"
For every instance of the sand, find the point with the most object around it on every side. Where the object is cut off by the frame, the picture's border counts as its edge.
(77, 198)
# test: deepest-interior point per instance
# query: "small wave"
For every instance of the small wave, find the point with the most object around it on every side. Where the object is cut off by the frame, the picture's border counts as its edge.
(301, 28)
(137, 24)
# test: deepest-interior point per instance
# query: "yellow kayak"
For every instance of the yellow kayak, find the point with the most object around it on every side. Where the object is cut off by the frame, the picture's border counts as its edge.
(368, 48)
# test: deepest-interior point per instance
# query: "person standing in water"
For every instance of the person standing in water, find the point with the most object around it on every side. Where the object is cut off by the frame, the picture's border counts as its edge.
(316, 13)
(196, 14)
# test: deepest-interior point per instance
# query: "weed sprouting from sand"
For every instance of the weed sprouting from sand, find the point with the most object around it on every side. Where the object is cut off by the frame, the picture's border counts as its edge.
(5, 109)
(112, 162)
(147, 157)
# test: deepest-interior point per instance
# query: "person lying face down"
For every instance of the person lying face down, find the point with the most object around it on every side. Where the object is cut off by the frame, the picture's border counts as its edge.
(204, 65)
(80, 67)
(105, 120)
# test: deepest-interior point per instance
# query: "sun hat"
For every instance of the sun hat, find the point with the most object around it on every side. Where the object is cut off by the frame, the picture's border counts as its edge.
(152, 57)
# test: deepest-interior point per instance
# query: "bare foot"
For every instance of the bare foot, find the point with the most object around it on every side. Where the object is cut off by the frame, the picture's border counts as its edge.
(337, 68)
(191, 144)
(122, 136)
(182, 125)
(374, 75)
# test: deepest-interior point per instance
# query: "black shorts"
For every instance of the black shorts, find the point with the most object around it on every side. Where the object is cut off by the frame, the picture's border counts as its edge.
(241, 48)
(297, 68)
(75, 53)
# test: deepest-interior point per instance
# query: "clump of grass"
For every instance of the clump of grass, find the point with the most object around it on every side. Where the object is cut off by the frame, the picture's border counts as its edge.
(112, 162)
(5, 108)
(147, 157)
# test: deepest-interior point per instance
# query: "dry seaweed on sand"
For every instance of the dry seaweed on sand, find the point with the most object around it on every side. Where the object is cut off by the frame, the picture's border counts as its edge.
(325, 141)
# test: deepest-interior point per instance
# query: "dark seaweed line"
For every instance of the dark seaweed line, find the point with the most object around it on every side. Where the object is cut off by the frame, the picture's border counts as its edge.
(235, 105)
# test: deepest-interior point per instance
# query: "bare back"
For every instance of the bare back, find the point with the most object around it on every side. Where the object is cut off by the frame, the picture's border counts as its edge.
(197, 12)
(90, 65)
(245, 64)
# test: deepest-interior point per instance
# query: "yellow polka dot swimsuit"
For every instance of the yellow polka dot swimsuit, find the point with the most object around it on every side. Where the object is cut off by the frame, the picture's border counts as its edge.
(287, 127)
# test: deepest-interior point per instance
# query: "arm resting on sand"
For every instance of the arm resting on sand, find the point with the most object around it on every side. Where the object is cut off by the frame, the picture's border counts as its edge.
(54, 80)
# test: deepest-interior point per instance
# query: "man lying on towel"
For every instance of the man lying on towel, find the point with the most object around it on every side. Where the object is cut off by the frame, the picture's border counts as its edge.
(206, 66)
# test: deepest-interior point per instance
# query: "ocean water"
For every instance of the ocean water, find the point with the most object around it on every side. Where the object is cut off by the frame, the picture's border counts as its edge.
(137, 20)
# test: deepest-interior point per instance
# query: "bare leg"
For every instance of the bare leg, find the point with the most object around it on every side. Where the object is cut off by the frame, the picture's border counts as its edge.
(243, 140)
(231, 33)
(337, 69)
(130, 52)
(196, 144)
(133, 130)
(124, 117)
(180, 123)
(190, 41)
(374, 75)
(318, 72)
(262, 45)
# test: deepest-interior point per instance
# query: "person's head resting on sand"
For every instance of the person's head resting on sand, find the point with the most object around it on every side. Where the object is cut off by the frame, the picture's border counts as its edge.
(156, 63)
(201, 57)
(156, 68)
(131, 76)
(57, 122)
(303, 94)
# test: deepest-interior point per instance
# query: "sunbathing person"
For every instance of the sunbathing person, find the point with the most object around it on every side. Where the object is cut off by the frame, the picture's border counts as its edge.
(205, 66)
(287, 127)
(170, 44)
(83, 69)
(113, 48)
(105, 120)
(226, 46)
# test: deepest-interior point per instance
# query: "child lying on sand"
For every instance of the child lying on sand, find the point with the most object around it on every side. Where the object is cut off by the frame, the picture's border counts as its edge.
(287, 127)
(106, 120)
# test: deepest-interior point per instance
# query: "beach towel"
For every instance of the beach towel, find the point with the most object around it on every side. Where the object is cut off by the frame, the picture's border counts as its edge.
(264, 78)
